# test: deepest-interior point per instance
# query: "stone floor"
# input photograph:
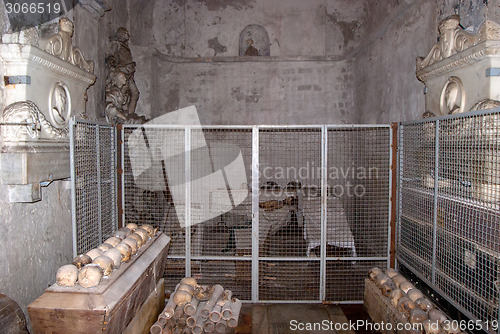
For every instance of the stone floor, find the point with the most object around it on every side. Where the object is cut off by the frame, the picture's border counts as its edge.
(286, 318)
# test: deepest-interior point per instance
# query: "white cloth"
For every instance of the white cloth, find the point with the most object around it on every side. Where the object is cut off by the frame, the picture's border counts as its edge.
(338, 232)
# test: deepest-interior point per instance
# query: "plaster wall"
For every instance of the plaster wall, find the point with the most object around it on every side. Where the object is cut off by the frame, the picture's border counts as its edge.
(36, 240)
(207, 28)
(386, 88)
(254, 92)
(186, 53)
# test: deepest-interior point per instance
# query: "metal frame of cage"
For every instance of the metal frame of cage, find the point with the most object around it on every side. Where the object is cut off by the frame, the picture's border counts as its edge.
(254, 260)
(82, 217)
(93, 160)
(448, 231)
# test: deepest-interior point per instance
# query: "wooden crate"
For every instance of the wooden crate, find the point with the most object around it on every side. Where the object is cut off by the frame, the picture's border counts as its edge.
(107, 308)
(381, 311)
(149, 311)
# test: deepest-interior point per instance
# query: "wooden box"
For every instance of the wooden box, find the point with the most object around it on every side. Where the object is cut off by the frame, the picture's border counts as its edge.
(107, 308)
(380, 310)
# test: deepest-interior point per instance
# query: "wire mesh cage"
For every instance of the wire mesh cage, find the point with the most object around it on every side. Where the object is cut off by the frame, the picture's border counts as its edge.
(416, 180)
(289, 280)
(93, 168)
(146, 195)
(449, 219)
(345, 278)
(358, 179)
(289, 212)
(226, 232)
(251, 206)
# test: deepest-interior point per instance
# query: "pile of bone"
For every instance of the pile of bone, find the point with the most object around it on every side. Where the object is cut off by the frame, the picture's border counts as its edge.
(411, 302)
(89, 269)
(194, 308)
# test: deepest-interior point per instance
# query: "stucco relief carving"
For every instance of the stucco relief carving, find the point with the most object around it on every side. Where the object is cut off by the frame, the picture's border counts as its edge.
(486, 104)
(25, 122)
(61, 45)
(117, 99)
(60, 105)
(453, 39)
(452, 97)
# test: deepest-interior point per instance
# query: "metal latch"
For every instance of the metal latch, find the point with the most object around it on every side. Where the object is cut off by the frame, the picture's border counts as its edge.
(17, 80)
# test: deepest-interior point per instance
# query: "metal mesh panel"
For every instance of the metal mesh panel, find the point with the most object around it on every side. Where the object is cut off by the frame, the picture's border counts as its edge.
(289, 280)
(107, 173)
(290, 191)
(290, 212)
(285, 209)
(416, 179)
(230, 233)
(175, 270)
(460, 210)
(147, 199)
(232, 275)
(357, 207)
(467, 261)
(345, 279)
(358, 180)
(94, 183)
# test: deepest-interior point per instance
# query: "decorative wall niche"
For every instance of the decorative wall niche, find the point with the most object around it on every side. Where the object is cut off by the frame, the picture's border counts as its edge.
(254, 41)
(44, 85)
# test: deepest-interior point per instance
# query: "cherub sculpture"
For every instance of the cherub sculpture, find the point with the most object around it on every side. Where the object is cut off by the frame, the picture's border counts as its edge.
(117, 97)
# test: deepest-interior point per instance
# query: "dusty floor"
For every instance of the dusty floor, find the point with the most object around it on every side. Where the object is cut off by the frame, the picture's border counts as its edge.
(296, 318)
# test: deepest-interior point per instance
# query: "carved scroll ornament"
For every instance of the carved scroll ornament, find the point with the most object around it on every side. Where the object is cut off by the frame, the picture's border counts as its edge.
(60, 45)
(453, 39)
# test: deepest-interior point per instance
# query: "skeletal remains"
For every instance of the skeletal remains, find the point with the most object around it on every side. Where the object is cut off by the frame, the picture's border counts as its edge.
(410, 302)
(89, 269)
(195, 308)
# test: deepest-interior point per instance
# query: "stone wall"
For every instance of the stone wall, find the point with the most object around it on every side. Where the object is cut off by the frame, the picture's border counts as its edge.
(207, 28)
(36, 240)
(254, 92)
(386, 88)
(336, 61)
(186, 53)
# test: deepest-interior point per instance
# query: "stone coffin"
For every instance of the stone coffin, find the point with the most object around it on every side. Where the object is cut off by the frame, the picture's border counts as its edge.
(41, 92)
(109, 307)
